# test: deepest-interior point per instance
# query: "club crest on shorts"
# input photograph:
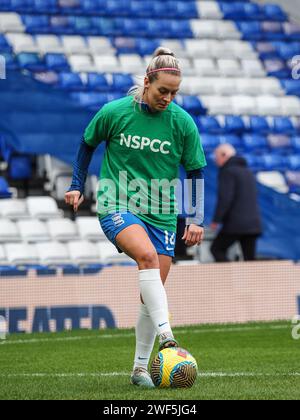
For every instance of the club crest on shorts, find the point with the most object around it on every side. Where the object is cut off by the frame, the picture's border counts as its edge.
(118, 219)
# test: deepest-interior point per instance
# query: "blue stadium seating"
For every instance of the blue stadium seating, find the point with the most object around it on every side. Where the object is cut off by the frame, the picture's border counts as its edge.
(191, 104)
(70, 81)
(97, 82)
(277, 68)
(240, 11)
(57, 62)
(255, 142)
(144, 46)
(208, 124)
(295, 140)
(292, 87)
(274, 12)
(36, 24)
(105, 26)
(293, 162)
(121, 82)
(31, 61)
(4, 46)
(10, 61)
(209, 142)
(258, 124)
(234, 124)
(283, 125)
(47, 6)
(82, 25)
(20, 167)
(4, 189)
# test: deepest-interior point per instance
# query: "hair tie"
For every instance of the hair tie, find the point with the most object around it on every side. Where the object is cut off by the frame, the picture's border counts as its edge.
(164, 69)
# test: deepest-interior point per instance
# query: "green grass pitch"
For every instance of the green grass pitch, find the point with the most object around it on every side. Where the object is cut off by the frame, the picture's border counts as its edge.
(244, 361)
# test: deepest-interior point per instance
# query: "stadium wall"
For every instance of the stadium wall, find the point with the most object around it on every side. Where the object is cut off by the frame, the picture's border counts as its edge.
(198, 294)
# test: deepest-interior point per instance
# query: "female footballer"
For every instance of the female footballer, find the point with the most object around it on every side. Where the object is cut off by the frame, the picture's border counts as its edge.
(147, 138)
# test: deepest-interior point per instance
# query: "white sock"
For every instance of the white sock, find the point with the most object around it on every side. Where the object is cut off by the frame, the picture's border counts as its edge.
(155, 299)
(145, 337)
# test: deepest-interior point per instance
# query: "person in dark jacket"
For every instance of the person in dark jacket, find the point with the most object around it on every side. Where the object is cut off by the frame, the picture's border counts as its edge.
(237, 208)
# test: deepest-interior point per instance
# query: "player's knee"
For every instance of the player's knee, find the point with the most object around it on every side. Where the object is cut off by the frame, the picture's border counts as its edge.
(148, 259)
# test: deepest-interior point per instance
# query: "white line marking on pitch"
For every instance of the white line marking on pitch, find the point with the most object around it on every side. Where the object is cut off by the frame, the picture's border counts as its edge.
(111, 374)
(129, 335)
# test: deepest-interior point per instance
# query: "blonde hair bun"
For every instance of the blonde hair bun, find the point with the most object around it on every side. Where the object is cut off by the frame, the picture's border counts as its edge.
(163, 51)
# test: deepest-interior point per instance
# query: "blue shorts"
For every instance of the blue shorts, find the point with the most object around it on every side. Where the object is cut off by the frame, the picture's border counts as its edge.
(163, 240)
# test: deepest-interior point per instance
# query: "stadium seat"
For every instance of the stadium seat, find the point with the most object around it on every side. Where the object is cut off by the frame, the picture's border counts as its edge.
(73, 44)
(81, 63)
(53, 253)
(208, 124)
(62, 230)
(277, 68)
(10, 61)
(224, 85)
(258, 124)
(205, 28)
(292, 87)
(209, 141)
(21, 254)
(48, 6)
(70, 81)
(146, 46)
(54, 168)
(4, 189)
(49, 44)
(232, 124)
(100, 45)
(191, 104)
(243, 105)
(9, 231)
(31, 61)
(283, 125)
(83, 252)
(209, 10)
(292, 30)
(60, 25)
(132, 63)
(20, 167)
(43, 208)
(217, 104)
(293, 181)
(13, 209)
(22, 42)
(121, 82)
(61, 185)
(36, 24)
(32, 230)
(89, 229)
(92, 100)
(290, 106)
(229, 67)
(97, 82)
(268, 105)
(82, 25)
(141, 9)
(57, 62)
(274, 12)
(205, 67)
(273, 179)
(253, 68)
(11, 22)
(296, 143)
(107, 63)
(255, 143)
(293, 162)
(279, 142)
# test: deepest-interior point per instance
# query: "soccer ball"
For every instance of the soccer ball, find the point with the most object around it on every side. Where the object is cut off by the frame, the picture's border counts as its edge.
(174, 367)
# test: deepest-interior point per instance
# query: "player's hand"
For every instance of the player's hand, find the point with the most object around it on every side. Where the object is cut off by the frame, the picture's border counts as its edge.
(74, 198)
(193, 235)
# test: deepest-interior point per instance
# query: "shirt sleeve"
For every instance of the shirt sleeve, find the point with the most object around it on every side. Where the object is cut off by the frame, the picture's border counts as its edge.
(193, 155)
(98, 129)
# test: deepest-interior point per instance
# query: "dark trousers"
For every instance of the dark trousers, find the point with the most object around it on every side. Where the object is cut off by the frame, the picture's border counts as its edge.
(223, 241)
